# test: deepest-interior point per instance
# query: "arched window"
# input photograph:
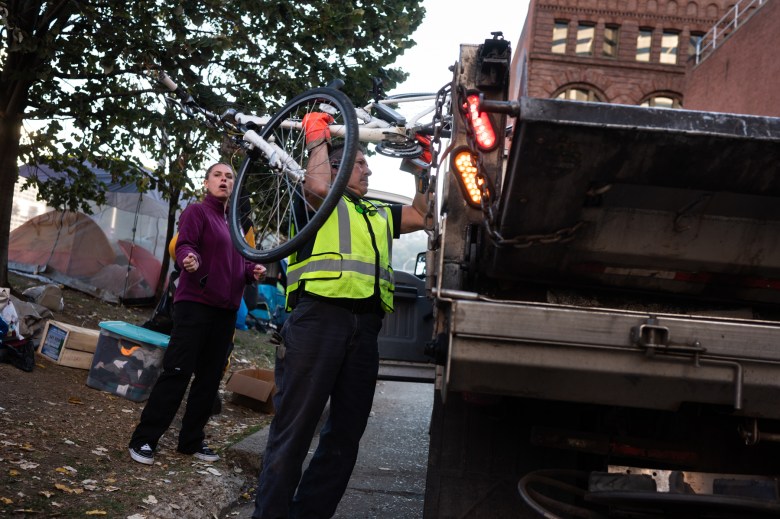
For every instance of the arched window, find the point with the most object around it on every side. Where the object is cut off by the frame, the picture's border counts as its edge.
(662, 100)
(579, 93)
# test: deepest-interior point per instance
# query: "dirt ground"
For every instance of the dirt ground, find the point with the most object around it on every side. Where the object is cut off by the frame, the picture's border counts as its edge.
(63, 445)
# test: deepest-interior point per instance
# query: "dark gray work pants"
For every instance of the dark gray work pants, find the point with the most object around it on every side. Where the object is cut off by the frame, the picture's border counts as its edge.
(329, 352)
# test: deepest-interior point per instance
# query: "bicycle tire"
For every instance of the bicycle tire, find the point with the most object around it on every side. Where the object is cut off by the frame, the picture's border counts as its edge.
(270, 202)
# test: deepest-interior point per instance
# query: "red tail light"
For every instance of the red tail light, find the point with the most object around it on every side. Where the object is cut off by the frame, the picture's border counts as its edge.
(480, 123)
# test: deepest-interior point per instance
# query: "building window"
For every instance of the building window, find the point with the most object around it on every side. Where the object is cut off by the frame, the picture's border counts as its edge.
(610, 46)
(579, 94)
(585, 33)
(560, 34)
(693, 43)
(643, 42)
(662, 101)
(669, 43)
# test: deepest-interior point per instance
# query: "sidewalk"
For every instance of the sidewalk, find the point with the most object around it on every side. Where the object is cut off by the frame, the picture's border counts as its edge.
(389, 478)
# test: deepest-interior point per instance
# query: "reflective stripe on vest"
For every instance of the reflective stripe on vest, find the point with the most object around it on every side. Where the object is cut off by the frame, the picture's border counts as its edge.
(342, 265)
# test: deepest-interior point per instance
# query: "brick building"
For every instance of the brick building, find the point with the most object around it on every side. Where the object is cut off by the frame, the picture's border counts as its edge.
(738, 71)
(615, 51)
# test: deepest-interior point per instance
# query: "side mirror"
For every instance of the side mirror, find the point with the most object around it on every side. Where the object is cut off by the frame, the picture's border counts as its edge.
(419, 267)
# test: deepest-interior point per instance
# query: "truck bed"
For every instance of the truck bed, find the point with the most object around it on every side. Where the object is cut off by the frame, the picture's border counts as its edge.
(667, 201)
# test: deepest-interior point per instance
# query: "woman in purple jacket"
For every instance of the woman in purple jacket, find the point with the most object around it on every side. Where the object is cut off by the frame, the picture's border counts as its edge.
(205, 304)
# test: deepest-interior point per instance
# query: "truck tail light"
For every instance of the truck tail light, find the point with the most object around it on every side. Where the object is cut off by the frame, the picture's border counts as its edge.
(480, 123)
(464, 164)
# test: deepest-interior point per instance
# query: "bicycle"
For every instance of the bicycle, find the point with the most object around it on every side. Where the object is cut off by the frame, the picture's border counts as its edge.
(269, 195)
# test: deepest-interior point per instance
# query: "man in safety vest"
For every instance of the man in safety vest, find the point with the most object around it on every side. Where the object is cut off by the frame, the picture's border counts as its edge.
(339, 286)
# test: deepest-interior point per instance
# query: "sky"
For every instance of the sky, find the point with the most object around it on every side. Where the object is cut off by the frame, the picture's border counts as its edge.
(447, 24)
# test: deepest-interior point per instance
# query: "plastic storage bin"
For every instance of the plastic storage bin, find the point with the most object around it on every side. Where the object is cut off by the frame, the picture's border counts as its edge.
(127, 361)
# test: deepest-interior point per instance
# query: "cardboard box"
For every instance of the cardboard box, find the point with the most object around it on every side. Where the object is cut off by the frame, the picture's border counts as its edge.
(253, 388)
(68, 345)
(128, 360)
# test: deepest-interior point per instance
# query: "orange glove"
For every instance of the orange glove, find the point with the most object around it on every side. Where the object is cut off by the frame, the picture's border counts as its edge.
(315, 125)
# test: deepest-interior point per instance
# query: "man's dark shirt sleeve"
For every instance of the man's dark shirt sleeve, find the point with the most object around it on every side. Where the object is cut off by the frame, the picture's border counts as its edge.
(395, 210)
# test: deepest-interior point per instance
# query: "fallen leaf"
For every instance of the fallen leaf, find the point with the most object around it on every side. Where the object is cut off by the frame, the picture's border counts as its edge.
(95, 512)
(27, 447)
(214, 471)
(75, 400)
(46, 493)
(111, 489)
(64, 488)
(6, 501)
(13, 472)
(150, 500)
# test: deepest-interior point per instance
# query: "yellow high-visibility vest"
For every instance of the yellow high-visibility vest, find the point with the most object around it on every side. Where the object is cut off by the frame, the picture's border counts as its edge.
(343, 263)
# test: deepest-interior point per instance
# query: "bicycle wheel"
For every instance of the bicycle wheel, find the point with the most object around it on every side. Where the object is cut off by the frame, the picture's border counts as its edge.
(269, 198)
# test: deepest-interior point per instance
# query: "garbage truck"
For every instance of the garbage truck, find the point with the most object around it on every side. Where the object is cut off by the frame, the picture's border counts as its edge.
(604, 282)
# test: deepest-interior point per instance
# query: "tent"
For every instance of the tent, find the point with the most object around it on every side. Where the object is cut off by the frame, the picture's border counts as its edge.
(132, 223)
(70, 243)
(127, 214)
(70, 248)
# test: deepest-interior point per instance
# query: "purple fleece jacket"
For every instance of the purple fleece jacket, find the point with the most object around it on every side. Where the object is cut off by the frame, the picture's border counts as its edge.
(222, 273)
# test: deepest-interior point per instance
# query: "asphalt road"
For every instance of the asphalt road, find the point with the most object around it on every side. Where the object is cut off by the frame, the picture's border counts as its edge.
(389, 478)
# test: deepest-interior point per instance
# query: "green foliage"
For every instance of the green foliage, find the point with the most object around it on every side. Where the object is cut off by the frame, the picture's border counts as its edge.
(75, 76)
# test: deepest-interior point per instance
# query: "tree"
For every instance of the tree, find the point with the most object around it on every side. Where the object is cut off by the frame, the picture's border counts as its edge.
(75, 85)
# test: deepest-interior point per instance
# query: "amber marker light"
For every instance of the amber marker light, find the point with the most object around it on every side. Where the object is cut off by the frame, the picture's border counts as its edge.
(464, 164)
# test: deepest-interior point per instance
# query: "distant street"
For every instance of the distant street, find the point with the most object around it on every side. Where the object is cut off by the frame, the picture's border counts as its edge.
(389, 479)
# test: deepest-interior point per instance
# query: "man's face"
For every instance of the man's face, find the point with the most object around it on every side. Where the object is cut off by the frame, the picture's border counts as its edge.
(219, 182)
(358, 180)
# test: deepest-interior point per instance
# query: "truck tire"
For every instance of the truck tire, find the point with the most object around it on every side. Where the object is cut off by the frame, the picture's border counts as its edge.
(479, 450)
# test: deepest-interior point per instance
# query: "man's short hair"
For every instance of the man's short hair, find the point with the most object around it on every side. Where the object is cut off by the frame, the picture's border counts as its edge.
(337, 150)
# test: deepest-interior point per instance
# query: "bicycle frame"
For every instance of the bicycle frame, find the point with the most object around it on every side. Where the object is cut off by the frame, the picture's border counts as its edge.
(372, 130)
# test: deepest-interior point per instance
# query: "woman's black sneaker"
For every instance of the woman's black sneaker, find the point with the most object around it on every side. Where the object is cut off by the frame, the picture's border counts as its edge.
(206, 454)
(143, 454)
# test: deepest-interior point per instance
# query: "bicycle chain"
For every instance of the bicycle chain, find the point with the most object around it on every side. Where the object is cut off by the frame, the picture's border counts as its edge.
(562, 235)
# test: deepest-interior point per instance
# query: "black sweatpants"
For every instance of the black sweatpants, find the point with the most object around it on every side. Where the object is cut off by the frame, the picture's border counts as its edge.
(199, 345)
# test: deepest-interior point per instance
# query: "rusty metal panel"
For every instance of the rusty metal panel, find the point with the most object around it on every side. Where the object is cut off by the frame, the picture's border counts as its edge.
(671, 190)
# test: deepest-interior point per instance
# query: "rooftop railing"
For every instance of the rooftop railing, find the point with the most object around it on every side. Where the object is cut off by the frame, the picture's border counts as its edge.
(723, 28)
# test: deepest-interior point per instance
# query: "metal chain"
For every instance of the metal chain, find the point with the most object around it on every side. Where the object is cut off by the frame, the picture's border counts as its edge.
(439, 124)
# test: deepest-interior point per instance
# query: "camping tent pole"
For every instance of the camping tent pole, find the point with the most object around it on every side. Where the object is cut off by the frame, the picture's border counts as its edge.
(132, 241)
(54, 245)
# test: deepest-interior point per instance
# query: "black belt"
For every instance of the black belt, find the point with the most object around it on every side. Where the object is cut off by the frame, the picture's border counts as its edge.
(370, 305)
